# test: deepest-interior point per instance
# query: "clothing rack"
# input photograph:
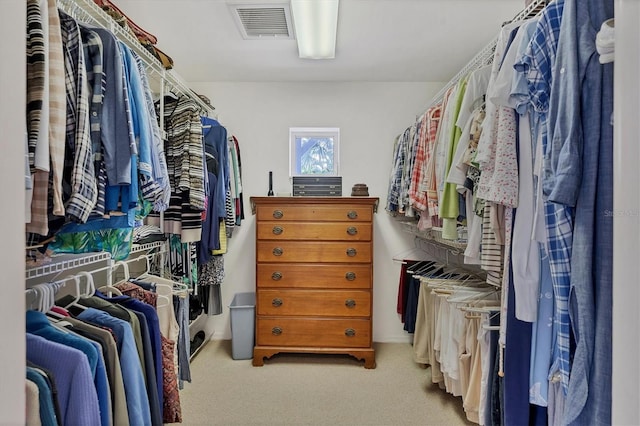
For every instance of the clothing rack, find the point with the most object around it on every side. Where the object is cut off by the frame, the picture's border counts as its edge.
(485, 55)
(89, 12)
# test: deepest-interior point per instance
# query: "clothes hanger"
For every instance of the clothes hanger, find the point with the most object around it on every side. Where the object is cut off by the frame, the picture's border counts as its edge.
(125, 268)
(165, 298)
(412, 253)
(90, 288)
(167, 284)
(109, 290)
(421, 267)
(77, 295)
(431, 270)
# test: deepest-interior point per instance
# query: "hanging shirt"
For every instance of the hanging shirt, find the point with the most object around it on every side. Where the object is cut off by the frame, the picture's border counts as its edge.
(137, 399)
(93, 54)
(80, 170)
(114, 121)
(77, 394)
(539, 62)
(395, 182)
(37, 83)
(158, 160)
(37, 323)
(581, 139)
(57, 108)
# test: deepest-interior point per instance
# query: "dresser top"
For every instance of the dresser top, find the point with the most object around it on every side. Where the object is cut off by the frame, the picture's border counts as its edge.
(373, 201)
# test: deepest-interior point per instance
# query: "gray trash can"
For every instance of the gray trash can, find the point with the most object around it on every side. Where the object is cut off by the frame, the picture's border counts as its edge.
(243, 307)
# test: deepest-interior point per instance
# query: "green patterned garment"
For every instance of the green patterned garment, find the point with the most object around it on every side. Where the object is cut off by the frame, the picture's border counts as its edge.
(115, 241)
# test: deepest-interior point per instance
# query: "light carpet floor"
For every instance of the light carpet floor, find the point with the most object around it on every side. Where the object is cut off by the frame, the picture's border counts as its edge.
(308, 389)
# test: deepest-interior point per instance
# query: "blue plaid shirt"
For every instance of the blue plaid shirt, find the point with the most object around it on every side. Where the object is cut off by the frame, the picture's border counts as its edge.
(395, 184)
(538, 63)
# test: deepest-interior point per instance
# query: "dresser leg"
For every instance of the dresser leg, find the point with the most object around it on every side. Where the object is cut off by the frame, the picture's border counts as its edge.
(259, 355)
(258, 358)
(370, 362)
(368, 356)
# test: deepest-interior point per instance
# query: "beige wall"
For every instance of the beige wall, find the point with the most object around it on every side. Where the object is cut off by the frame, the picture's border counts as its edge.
(369, 116)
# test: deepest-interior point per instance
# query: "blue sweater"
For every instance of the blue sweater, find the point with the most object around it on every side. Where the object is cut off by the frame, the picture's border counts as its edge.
(77, 394)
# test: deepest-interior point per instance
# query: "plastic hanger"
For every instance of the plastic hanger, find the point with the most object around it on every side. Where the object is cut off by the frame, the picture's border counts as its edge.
(77, 295)
(90, 289)
(412, 253)
(125, 267)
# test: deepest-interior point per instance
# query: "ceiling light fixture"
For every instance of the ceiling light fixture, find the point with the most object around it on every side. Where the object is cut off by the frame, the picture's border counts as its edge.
(316, 24)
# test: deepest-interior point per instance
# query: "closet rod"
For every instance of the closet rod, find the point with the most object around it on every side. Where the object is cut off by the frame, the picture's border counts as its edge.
(89, 12)
(485, 56)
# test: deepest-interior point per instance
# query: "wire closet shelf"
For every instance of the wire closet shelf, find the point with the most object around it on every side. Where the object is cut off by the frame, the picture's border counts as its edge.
(89, 12)
(485, 55)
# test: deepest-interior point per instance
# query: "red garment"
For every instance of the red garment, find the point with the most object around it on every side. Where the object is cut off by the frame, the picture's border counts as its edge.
(403, 289)
(137, 292)
(172, 412)
(60, 310)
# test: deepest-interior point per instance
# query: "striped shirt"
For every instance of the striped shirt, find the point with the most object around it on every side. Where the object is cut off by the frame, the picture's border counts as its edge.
(492, 255)
(79, 170)
(93, 54)
(36, 68)
(57, 108)
(184, 152)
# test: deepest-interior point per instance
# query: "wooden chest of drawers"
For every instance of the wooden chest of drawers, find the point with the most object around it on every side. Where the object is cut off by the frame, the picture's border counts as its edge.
(314, 276)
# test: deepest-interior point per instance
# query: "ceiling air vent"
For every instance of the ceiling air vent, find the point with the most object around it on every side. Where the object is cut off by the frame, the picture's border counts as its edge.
(263, 21)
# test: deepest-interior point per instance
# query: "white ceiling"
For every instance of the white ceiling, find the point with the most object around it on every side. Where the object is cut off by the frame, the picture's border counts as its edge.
(378, 40)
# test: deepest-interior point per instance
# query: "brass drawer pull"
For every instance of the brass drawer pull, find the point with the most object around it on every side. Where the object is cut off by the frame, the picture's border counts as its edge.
(350, 303)
(276, 331)
(351, 252)
(276, 276)
(352, 230)
(352, 214)
(349, 332)
(278, 214)
(276, 302)
(277, 230)
(277, 251)
(350, 276)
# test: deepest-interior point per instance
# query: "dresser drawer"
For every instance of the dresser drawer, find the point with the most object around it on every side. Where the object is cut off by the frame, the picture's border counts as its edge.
(354, 333)
(294, 251)
(348, 303)
(314, 213)
(310, 231)
(300, 275)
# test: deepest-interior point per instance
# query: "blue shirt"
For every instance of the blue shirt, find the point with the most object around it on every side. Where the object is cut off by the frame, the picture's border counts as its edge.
(37, 323)
(395, 184)
(45, 398)
(153, 325)
(113, 124)
(134, 387)
(583, 141)
(216, 137)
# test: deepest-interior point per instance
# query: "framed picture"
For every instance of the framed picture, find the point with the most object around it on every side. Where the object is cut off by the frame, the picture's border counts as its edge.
(314, 151)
